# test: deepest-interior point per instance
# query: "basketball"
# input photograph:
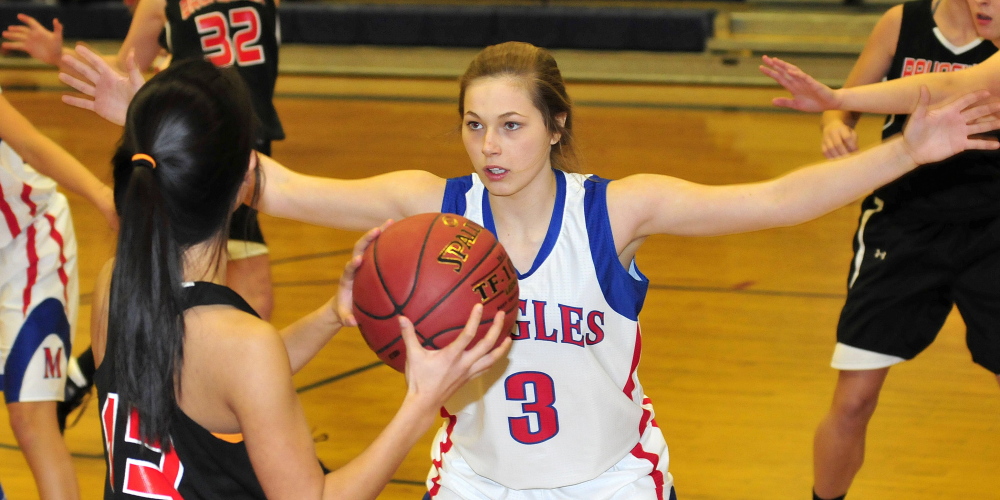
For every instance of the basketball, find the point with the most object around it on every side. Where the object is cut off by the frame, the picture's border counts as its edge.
(432, 268)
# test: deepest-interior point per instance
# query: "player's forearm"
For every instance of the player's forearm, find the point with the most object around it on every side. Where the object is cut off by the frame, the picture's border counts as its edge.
(900, 96)
(52, 160)
(366, 475)
(304, 338)
(810, 192)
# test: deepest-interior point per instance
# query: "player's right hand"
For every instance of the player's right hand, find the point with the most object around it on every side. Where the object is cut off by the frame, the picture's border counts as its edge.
(839, 139)
(933, 134)
(434, 375)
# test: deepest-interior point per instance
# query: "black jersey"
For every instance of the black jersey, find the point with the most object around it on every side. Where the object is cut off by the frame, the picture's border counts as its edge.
(199, 465)
(241, 33)
(962, 187)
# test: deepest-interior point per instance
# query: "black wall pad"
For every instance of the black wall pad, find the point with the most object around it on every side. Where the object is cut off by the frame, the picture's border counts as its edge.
(597, 28)
(475, 26)
(320, 24)
(97, 20)
(461, 26)
(679, 30)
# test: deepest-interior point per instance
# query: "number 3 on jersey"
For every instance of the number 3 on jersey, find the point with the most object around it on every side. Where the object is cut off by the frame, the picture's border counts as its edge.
(537, 406)
(241, 47)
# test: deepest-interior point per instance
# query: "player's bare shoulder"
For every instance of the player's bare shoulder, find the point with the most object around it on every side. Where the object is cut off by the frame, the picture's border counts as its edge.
(225, 344)
(226, 328)
(885, 33)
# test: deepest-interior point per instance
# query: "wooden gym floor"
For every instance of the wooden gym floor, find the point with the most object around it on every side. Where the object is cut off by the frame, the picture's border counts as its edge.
(738, 330)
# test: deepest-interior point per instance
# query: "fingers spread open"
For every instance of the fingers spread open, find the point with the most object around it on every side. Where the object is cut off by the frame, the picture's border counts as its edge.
(30, 21)
(986, 144)
(469, 332)
(80, 85)
(981, 112)
(134, 74)
(483, 363)
(82, 68)
(491, 337)
(78, 102)
(94, 59)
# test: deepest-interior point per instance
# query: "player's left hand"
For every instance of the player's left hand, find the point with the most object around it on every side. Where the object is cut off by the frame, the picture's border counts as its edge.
(344, 306)
(110, 91)
(35, 40)
(839, 139)
(935, 134)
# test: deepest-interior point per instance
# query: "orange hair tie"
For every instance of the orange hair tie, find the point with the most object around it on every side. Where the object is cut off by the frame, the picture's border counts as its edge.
(144, 160)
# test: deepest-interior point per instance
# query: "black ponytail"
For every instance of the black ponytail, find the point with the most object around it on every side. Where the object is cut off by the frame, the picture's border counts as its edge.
(178, 170)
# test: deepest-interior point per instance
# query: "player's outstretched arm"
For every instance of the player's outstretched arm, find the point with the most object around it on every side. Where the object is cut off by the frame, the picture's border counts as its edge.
(108, 92)
(50, 159)
(36, 40)
(655, 204)
(352, 204)
(304, 338)
(899, 96)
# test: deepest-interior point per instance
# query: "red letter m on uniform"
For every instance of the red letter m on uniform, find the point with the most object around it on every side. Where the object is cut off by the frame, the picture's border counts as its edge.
(53, 365)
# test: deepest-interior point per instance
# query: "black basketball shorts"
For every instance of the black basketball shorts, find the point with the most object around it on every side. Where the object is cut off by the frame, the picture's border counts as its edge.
(906, 275)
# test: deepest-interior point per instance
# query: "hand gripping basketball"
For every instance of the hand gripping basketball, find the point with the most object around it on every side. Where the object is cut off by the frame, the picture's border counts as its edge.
(432, 268)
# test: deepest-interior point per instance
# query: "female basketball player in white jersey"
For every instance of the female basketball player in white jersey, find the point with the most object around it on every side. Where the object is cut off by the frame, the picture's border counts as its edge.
(39, 294)
(566, 417)
(196, 393)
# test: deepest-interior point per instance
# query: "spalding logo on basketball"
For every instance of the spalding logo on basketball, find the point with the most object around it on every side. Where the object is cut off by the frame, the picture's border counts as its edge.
(432, 268)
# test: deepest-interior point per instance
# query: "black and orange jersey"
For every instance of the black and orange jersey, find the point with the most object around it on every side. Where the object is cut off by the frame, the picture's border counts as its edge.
(240, 33)
(198, 464)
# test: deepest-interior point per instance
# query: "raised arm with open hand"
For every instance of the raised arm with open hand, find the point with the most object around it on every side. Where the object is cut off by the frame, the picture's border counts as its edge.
(111, 91)
(35, 40)
(897, 96)
(935, 134)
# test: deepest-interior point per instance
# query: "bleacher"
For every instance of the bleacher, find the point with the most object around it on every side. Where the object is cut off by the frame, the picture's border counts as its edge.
(726, 36)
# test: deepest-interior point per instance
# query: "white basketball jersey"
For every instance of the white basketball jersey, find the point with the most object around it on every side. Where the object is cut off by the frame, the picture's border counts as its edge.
(24, 194)
(567, 405)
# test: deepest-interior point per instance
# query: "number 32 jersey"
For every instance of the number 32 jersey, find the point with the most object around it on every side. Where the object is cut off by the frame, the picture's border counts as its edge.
(240, 33)
(567, 405)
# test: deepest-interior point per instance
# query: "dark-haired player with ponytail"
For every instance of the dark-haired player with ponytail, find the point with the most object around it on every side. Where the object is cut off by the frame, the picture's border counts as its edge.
(196, 394)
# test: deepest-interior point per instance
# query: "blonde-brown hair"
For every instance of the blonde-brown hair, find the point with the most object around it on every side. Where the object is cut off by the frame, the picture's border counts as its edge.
(538, 70)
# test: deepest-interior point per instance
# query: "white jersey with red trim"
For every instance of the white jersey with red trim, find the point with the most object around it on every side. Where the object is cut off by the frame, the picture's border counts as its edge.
(568, 405)
(24, 194)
